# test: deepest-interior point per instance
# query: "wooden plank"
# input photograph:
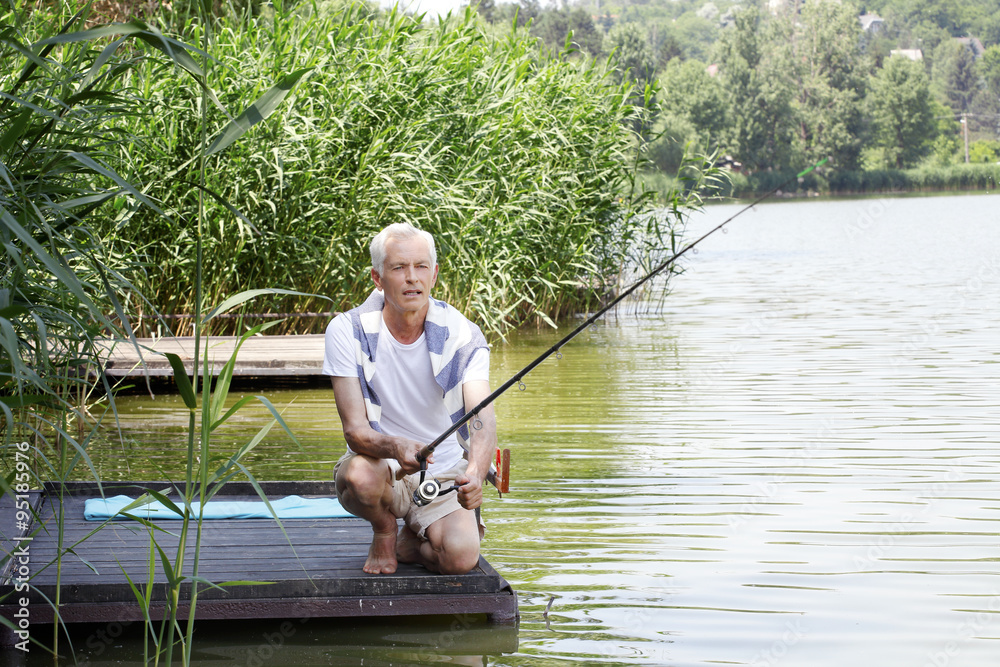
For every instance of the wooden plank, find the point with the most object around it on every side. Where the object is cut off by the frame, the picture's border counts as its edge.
(322, 575)
(500, 608)
(289, 355)
(233, 490)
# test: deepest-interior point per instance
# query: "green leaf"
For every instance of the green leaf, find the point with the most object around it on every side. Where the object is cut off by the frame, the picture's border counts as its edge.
(168, 570)
(13, 311)
(182, 380)
(278, 418)
(139, 597)
(26, 399)
(90, 162)
(256, 112)
(230, 412)
(175, 50)
(212, 584)
(58, 269)
(14, 132)
(247, 295)
(166, 502)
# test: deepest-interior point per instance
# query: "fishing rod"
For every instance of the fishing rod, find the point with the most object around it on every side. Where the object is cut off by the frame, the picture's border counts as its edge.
(427, 490)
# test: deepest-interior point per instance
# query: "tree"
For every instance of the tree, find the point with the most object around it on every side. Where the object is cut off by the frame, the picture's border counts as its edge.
(486, 9)
(899, 105)
(954, 75)
(987, 101)
(634, 63)
(831, 78)
(693, 111)
(754, 65)
(634, 59)
(553, 26)
(688, 91)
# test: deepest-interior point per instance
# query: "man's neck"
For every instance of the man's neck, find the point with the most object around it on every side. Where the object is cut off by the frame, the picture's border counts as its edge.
(407, 327)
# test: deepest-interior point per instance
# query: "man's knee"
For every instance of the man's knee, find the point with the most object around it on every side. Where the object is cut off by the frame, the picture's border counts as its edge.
(458, 560)
(363, 478)
(459, 551)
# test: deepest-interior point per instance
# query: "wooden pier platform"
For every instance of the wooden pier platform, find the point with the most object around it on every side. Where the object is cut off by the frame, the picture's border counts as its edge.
(320, 578)
(283, 356)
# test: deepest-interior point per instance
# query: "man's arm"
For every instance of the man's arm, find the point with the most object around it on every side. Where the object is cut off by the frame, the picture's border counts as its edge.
(483, 445)
(362, 438)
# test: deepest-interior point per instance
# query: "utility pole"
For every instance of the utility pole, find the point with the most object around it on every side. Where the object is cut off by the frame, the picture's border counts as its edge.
(965, 129)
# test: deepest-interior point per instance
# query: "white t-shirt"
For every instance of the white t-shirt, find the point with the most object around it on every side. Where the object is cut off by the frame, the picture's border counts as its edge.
(404, 383)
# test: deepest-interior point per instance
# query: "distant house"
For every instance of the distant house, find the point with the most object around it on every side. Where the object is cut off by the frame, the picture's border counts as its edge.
(872, 24)
(712, 69)
(912, 54)
(973, 44)
(783, 6)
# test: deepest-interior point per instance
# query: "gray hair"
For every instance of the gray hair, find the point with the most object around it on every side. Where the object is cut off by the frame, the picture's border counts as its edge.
(397, 230)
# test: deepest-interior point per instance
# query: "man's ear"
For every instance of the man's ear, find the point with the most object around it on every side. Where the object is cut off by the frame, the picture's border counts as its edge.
(377, 279)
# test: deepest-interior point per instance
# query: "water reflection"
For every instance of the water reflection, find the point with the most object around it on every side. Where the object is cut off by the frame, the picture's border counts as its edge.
(394, 642)
(792, 460)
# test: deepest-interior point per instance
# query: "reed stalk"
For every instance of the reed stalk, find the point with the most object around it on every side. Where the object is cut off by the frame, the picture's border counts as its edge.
(62, 115)
(521, 164)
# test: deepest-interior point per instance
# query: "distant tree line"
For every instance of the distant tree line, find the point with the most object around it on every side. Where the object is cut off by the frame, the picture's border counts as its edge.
(777, 85)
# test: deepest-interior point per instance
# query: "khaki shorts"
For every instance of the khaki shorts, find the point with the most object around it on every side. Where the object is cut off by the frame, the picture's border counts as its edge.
(419, 517)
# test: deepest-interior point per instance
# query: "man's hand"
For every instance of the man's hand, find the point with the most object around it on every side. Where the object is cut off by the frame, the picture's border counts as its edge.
(406, 455)
(470, 491)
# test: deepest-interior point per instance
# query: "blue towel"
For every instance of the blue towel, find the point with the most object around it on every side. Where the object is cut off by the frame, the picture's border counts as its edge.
(290, 507)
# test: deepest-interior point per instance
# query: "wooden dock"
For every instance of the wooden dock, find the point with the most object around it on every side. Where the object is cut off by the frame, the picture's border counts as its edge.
(320, 578)
(260, 356)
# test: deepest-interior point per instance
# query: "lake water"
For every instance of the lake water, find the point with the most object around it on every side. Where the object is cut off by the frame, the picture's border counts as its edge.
(792, 460)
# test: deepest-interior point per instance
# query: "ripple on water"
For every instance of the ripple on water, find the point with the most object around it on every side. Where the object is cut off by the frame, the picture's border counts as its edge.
(793, 460)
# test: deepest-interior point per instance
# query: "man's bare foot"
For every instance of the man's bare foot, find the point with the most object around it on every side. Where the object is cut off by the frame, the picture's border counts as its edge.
(382, 554)
(407, 546)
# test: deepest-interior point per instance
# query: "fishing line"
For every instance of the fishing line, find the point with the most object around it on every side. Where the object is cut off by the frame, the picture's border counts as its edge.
(555, 349)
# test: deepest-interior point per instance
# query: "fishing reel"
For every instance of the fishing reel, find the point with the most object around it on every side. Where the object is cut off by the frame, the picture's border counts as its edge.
(428, 490)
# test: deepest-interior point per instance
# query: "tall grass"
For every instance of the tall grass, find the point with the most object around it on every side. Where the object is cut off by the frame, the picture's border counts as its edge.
(63, 113)
(120, 169)
(959, 177)
(61, 110)
(520, 165)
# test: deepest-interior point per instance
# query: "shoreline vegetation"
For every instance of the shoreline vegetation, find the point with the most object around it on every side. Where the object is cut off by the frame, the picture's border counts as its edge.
(238, 162)
(832, 183)
(522, 165)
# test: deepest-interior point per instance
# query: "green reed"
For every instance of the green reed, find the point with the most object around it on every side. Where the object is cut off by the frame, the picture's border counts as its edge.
(128, 190)
(521, 165)
(65, 113)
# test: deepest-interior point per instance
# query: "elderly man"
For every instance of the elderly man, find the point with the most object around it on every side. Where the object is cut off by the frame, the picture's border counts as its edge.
(405, 367)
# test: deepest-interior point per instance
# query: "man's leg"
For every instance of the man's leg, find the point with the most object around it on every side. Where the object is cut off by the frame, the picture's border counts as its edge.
(364, 488)
(451, 547)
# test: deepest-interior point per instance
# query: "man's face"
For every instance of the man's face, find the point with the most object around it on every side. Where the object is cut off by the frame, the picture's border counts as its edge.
(407, 276)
